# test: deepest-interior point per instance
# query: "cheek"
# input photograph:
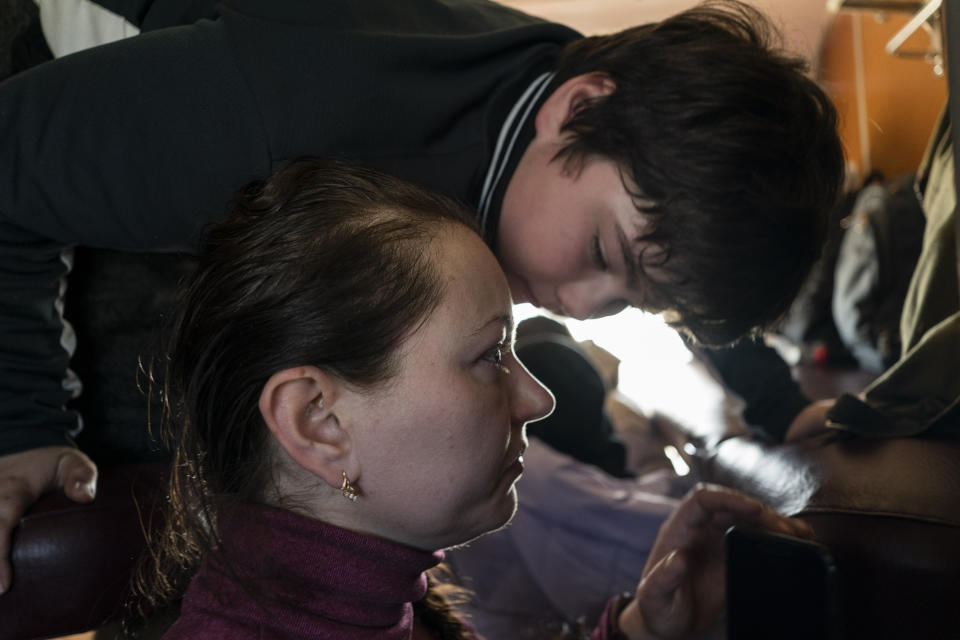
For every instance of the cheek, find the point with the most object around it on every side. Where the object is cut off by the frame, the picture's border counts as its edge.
(549, 253)
(480, 428)
(447, 441)
(474, 446)
(442, 483)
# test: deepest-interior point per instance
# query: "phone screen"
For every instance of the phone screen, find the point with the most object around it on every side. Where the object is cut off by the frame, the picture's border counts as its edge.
(780, 587)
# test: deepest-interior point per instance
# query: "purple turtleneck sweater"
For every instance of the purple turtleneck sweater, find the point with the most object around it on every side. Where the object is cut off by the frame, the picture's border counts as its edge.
(278, 575)
(302, 578)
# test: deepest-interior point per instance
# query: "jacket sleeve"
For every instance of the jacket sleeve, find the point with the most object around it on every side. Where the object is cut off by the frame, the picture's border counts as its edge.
(134, 146)
(763, 380)
(609, 628)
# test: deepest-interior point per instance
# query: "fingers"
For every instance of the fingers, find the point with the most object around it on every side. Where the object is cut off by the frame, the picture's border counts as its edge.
(721, 508)
(666, 577)
(682, 586)
(811, 420)
(15, 497)
(77, 474)
(25, 476)
(664, 598)
(706, 513)
(705, 501)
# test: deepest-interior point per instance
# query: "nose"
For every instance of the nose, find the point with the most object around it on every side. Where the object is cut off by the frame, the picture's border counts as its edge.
(529, 400)
(588, 298)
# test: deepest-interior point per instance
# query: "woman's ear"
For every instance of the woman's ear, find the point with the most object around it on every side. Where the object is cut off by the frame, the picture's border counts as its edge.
(299, 406)
(561, 105)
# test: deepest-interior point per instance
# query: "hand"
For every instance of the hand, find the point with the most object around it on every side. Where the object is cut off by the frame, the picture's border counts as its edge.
(811, 421)
(682, 593)
(27, 475)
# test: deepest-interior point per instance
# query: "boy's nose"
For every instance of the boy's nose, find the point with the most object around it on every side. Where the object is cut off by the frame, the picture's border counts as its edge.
(592, 298)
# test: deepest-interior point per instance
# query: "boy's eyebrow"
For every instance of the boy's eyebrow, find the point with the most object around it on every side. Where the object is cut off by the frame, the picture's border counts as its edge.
(629, 262)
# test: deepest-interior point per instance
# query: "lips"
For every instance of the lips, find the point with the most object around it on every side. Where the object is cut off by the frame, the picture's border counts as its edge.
(554, 306)
(531, 298)
(516, 460)
(523, 292)
(535, 301)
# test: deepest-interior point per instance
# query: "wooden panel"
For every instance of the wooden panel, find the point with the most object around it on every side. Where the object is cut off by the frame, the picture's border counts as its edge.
(888, 112)
(838, 76)
(904, 97)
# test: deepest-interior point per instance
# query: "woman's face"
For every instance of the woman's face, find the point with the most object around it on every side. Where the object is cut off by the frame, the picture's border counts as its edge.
(440, 444)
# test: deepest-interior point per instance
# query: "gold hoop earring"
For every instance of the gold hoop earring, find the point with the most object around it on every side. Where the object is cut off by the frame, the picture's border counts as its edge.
(348, 489)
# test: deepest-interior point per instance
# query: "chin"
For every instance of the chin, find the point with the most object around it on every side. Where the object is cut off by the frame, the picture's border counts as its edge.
(484, 534)
(510, 510)
(495, 522)
(519, 291)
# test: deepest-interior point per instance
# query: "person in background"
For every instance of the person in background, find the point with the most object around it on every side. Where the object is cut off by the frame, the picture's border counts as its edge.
(579, 425)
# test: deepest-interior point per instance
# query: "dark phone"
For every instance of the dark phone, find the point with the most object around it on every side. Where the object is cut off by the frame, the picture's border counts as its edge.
(780, 587)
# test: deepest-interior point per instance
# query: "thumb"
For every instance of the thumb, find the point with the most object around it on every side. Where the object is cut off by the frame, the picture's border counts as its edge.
(665, 578)
(77, 475)
(664, 597)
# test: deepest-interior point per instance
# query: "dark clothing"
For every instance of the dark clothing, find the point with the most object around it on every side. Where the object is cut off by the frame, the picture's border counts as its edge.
(278, 575)
(281, 575)
(921, 391)
(579, 425)
(137, 144)
(757, 373)
(116, 157)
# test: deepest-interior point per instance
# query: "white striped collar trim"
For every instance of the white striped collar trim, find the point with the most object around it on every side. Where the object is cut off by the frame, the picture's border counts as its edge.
(501, 153)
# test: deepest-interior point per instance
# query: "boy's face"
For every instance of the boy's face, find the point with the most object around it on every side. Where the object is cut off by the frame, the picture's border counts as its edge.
(567, 241)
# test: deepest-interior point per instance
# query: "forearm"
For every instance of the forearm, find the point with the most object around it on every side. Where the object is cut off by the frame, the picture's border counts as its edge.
(130, 146)
(614, 625)
(35, 344)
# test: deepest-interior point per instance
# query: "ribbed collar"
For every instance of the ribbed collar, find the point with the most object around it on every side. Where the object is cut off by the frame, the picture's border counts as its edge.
(282, 574)
(513, 136)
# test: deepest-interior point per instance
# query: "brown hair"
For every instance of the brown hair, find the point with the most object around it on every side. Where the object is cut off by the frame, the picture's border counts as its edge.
(733, 152)
(323, 263)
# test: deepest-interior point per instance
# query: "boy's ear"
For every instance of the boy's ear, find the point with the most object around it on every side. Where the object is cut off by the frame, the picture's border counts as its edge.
(561, 105)
(299, 406)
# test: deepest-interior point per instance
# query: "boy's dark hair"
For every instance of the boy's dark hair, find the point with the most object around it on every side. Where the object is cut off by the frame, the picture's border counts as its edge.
(729, 149)
(323, 263)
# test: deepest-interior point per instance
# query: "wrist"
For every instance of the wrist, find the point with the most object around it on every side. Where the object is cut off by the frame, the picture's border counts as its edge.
(630, 622)
(623, 620)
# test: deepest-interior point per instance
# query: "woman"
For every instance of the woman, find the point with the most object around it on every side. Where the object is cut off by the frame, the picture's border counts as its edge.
(346, 405)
